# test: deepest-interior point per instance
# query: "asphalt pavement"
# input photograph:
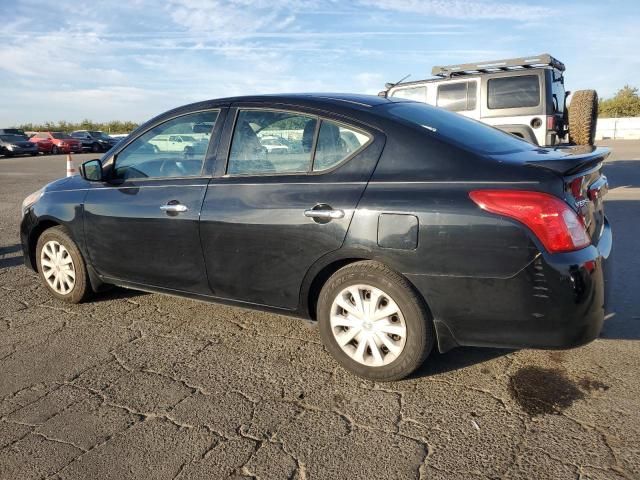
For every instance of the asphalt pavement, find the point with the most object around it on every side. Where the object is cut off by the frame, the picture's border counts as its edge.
(137, 385)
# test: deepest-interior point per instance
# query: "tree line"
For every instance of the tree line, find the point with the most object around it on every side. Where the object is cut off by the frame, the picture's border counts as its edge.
(625, 103)
(114, 126)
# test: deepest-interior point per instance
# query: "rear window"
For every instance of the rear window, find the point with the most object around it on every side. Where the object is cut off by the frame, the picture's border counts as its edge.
(513, 92)
(470, 134)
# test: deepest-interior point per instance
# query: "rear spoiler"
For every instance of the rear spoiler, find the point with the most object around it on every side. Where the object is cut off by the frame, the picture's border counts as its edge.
(576, 159)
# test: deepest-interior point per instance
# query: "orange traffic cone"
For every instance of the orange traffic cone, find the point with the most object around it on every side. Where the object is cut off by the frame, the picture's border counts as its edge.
(71, 169)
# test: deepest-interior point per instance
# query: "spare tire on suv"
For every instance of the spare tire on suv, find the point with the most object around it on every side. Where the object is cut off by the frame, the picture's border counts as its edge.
(583, 115)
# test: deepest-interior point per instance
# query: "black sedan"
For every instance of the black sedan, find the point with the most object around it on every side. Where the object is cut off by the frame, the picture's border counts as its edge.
(395, 225)
(11, 145)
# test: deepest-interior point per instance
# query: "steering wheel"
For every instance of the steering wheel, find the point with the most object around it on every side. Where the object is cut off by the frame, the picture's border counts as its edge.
(172, 168)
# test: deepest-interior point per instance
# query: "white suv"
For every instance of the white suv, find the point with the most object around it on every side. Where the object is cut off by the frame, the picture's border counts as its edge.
(523, 96)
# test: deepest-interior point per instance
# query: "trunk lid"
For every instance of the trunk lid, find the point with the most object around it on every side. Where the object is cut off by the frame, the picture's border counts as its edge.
(584, 184)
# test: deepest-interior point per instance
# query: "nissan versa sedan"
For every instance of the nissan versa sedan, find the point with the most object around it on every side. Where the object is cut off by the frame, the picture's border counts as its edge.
(395, 225)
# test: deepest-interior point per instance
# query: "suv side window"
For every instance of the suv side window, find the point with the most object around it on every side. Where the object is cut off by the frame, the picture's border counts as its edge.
(335, 143)
(150, 155)
(457, 97)
(271, 142)
(412, 93)
(513, 92)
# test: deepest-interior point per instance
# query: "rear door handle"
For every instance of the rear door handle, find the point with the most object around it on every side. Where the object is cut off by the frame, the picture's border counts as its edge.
(324, 214)
(174, 207)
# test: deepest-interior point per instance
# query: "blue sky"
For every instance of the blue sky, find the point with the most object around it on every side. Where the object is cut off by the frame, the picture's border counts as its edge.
(132, 59)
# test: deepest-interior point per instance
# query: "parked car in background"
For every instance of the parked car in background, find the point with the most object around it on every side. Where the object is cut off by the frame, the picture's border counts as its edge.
(62, 142)
(424, 228)
(13, 131)
(94, 140)
(11, 145)
(273, 144)
(45, 145)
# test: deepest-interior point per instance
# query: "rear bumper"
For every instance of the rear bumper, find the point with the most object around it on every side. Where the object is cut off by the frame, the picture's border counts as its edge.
(557, 301)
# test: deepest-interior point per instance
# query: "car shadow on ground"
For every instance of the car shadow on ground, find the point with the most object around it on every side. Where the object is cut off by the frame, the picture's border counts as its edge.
(116, 293)
(7, 260)
(623, 302)
(457, 359)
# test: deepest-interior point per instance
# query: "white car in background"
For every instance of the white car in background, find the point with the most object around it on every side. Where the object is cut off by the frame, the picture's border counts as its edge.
(273, 144)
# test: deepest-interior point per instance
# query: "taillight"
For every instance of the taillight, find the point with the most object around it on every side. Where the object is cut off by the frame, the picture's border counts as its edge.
(551, 122)
(555, 224)
(576, 187)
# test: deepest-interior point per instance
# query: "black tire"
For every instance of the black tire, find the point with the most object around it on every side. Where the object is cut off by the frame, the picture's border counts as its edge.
(55, 150)
(420, 332)
(82, 288)
(583, 116)
(95, 148)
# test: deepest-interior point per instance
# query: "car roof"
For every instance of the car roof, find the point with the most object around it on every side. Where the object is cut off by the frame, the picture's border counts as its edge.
(317, 99)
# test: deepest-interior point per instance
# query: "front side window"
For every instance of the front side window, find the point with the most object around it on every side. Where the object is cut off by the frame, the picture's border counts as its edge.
(270, 142)
(412, 93)
(457, 97)
(153, 155)
(513, 92)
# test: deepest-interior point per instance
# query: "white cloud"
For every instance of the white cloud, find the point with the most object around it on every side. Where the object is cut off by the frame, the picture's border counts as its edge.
(464, 9)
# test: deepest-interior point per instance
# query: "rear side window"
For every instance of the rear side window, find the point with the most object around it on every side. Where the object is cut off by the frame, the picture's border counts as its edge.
(457, 97)
(412, 93)
(513, 92)
(457, 129)
(281, 142)
(271, 142)
(335, 143)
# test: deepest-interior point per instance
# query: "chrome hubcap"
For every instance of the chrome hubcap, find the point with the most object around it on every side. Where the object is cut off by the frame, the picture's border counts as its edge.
(368, 325)
(57, 267)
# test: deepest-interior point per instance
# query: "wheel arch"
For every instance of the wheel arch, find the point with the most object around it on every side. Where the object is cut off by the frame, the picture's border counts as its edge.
(34, 235)
(324, 268)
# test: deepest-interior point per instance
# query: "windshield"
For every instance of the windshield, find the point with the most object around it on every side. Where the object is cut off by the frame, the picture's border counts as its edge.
(470, 134)
(12, 138)
(100, 135)
(61, 136)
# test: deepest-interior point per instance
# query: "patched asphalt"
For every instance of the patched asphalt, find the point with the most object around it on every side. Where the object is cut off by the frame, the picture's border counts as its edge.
(137, 385)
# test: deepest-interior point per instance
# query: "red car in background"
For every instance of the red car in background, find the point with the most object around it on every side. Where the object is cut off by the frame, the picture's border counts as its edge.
(61, 142)
(45, 145)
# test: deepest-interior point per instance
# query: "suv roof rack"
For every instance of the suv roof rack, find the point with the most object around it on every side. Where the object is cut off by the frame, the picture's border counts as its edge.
(493, 66)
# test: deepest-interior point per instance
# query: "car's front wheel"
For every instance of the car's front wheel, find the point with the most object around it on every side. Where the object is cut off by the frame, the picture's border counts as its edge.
(61, 266)
(55, 150)
(373, 322)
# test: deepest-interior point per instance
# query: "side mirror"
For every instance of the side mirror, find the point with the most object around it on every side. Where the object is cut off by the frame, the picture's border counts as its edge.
(91, 170)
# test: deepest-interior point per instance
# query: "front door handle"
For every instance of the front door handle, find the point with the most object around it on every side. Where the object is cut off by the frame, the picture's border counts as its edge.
(174, 208)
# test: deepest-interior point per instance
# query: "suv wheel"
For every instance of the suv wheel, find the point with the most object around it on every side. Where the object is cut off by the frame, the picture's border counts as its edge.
(583, 115)
(95, 147)
(61, 266)
(372, 321)
(55, 150)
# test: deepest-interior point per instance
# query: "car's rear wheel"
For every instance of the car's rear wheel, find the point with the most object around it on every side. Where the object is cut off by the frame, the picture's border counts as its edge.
(61, 266)
(373, 322)
(583, 116)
